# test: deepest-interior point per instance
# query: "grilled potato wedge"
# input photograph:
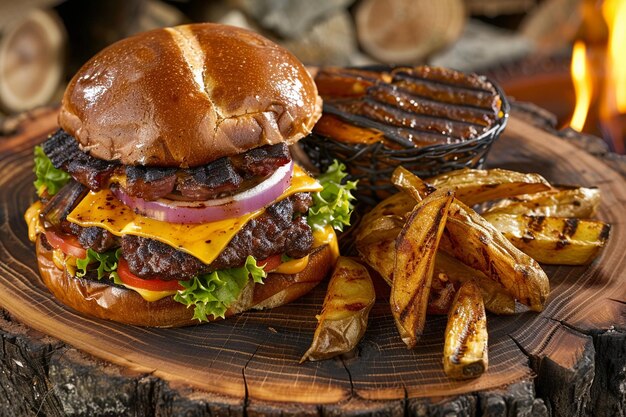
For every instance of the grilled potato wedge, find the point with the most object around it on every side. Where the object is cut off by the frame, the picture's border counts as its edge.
(346, 82)
(396, 206)
(577, 202)
(474, 241)
(343, 321)
(416, 247)
(442, 292)
(378, 230)
(553, 240)
(381, 256)
(411, 184)
(496, 300)
(385, 227)
(474, 186)
(465, 349)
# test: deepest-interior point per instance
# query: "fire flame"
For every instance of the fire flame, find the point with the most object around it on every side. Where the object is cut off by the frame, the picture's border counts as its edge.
(603, 85)
(583, 86)
(614, 12)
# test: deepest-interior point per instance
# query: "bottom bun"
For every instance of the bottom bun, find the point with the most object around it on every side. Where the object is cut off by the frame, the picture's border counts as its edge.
(123, 305)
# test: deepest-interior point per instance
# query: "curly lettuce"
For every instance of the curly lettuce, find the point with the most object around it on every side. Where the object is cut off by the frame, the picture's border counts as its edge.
(49, 178)
(107, 264)
(332, 206)
(212, 294)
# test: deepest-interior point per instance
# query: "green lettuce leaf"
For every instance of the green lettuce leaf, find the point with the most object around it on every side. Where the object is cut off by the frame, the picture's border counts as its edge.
(47, 175)
(212, 294)
(332, 205)
(107, 263)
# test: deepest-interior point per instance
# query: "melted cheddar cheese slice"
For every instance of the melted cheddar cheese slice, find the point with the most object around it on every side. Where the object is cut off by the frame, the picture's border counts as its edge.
(150, 295)
(327, 236)
(204, 241)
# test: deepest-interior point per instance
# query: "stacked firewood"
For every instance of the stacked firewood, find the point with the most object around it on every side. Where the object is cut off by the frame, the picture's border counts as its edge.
(353, 32)
(31, 56)
(44, 41)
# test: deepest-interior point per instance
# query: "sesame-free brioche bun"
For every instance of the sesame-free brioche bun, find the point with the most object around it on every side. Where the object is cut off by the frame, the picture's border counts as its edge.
(188, 95)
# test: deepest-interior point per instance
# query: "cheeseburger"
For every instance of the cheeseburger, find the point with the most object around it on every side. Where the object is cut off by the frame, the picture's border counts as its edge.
(169, 195)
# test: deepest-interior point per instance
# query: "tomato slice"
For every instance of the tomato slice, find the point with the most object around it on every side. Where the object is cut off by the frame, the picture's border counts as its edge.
(153, 284)
(270, 263)
(67, 244)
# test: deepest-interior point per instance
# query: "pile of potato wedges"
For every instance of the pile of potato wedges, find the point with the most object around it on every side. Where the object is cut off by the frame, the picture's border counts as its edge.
(461, 243)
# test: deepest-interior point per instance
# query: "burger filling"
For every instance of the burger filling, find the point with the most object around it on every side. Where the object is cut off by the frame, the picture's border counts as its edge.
(220, 178)
(264, 240)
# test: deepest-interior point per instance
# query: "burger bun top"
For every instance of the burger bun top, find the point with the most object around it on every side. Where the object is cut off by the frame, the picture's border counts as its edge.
(188, 95)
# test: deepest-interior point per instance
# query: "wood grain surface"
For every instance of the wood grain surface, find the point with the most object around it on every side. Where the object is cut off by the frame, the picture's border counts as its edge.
(249, 364)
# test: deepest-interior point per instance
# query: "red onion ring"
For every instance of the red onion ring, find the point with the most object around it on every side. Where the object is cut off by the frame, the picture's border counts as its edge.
(189, 212)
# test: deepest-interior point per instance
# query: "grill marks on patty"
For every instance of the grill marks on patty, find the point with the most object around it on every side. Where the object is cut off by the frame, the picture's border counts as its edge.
(223, 176)
(148, 258)
(280, 229)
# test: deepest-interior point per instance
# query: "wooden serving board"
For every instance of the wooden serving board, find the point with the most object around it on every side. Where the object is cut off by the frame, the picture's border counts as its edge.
(568, 359)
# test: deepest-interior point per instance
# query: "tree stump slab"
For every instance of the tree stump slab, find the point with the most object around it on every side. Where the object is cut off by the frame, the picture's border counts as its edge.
(569, 360)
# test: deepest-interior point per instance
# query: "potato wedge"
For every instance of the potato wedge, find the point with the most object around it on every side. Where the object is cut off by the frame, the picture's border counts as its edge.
(381, 256)
(442, 292)
(416, 247)
(377, 232)
(393, 209)
(474, 241)
(346, 82)
(496, 300)
(385, 227)
(578, 202)
(474, 186)
(343, 321)
(411, 184)
(375, 242)
(465, 348)
(553, 240)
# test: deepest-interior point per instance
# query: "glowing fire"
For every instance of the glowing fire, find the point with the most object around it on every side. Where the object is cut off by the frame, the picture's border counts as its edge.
(612, 97)
(583, 86)
(614, 12)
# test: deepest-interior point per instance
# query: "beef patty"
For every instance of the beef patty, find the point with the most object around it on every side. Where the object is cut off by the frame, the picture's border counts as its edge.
(281, 229)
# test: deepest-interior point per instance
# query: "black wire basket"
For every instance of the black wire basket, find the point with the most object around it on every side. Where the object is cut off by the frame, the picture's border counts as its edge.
(373, 164)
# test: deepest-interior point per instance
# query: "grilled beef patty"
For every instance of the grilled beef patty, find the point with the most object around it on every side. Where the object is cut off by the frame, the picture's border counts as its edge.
(280, 229)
